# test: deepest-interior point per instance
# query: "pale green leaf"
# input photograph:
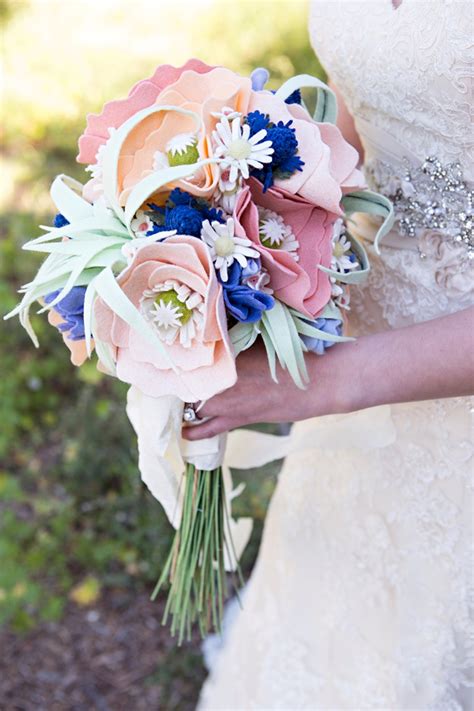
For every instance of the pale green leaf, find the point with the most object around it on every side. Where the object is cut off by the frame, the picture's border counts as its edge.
(373, 204)
(110, 292)
(326, 104)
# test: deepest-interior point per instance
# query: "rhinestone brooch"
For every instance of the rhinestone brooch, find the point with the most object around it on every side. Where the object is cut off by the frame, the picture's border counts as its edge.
(431, 196)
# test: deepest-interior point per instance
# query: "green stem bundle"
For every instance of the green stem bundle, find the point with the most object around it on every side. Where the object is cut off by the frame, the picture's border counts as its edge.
(195, 567)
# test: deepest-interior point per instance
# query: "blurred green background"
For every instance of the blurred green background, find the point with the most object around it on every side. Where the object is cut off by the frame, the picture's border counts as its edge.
(81, 540)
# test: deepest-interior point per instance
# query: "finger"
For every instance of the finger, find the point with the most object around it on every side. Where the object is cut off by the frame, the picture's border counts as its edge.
(218, 405)
(213, 427)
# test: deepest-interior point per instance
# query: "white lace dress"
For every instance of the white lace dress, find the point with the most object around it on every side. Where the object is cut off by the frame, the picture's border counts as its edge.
(360, 595)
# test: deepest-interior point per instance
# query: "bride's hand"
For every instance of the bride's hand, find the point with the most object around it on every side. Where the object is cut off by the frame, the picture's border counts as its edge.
(257, 398)
(422, 362)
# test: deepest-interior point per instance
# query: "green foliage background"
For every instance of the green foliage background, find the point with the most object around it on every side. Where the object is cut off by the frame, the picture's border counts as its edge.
(74, 517)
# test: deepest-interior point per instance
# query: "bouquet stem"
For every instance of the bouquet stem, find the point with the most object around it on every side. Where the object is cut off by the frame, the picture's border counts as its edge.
(195, 569)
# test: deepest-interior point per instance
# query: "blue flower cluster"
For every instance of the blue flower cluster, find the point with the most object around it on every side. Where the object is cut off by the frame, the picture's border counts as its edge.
(332, 326)
(71, 309)
(259, 78)
(60, 220)
(285, 160)
(241, 301)
(183, 213)
(294, 98)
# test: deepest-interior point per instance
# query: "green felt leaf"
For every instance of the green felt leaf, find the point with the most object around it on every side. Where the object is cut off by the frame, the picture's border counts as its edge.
(279, 330)
(156, 180)
(326, 104)
(95, 241)
(271, 354)
(306, 329)
(105, 356)
(99, 225)
(110, 292)
(243, 336)
(373, 204)
(67, 195)
(22, 309)
(331, 311)
(78, 248)
(113, 150)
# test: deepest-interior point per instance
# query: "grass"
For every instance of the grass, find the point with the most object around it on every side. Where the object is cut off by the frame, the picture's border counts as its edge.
(75, 520)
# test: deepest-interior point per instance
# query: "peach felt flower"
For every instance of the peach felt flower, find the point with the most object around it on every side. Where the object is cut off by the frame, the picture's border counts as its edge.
(169, 137)
(293, 238)
(174, 285)
(115, 113)
(330, 163)
(68, 317)
(78, 348)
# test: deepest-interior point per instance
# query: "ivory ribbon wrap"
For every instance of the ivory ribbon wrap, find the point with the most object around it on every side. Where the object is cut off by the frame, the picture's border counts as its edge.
(366, 429)
(162, 454)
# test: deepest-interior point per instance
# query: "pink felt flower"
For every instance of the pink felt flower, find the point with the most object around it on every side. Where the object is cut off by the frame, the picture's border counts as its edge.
(294, 274)
(115, 113)
(194, 87)
(174, 285)
(330, 163)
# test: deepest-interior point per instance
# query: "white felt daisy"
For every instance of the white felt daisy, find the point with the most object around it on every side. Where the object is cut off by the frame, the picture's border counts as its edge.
(227, 200)
(182, 149)
(96, 169)
(341, 250)
(239, 150)
(175, 311)
(225, 246)
(228, 192)
(276, 234)
(141, 224)
(228, 112)
(339, 296)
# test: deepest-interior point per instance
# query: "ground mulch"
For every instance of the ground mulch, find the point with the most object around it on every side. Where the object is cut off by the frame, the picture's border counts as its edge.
(113, 656)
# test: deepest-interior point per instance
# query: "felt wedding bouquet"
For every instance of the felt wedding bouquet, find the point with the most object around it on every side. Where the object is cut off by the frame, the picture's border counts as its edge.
(214, 216)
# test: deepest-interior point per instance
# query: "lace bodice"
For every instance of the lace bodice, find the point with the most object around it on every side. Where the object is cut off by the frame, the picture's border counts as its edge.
(405, 72)
(406, 76)
(362, 593)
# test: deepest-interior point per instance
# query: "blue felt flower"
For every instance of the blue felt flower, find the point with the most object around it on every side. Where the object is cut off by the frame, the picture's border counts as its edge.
(185, 220)
(332, 326)
(257, 121)
(254, 266)
(241, 301)
(259, 78)
(71, 309)
(294, 98)
(60, 220)
(285, 160)
(183, 213)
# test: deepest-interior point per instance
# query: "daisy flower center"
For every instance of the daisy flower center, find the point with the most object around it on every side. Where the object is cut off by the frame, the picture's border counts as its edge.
(338, 250)
(175, 311)
(182, 149)
(224, 246)
(169, 311)
(240, 149)
(276, 234)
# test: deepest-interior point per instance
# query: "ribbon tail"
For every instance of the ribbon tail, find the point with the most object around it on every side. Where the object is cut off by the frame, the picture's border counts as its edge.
(157, 423)
(372, 428)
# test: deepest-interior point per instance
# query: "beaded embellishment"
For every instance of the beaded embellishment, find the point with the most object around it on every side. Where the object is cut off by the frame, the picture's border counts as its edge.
(431, 196)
